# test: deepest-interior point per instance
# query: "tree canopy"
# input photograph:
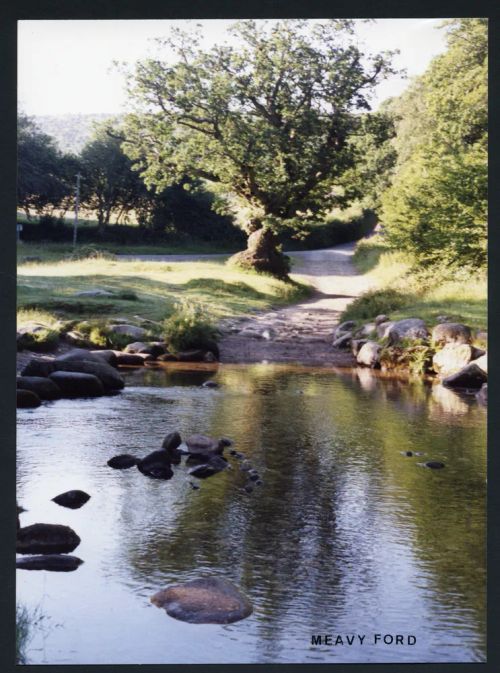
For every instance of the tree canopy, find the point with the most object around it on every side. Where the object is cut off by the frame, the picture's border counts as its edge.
(436, 206)
(45, 175)
(268, 122)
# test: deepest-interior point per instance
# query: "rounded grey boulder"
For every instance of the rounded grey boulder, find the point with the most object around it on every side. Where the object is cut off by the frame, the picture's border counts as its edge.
(210, 600)
(77, 384)
(43, 387)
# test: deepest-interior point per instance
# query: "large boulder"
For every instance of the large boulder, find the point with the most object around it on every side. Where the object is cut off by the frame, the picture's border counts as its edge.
(369, 354)
(409, 328)
(72, 499)
(261, 254)
(451, 333)
(156, 465)
(77, 384)
(129, 330)
(209, 600)
(27, 399)
(470, 376)
(452, 358)
(52, 562)
(90, 364)
(39, 367)
(43, 387)
(193, 355)
(46, 538)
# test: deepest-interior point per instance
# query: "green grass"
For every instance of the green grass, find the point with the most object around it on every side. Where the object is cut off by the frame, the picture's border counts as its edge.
(63, 251)
(405, 292)
(48, 289)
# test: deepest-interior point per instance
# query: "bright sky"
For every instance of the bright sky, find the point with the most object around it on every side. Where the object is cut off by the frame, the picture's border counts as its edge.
(66, 66)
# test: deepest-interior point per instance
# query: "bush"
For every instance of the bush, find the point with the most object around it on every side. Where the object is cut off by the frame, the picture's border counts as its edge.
(375, 302)
(90, 252)
(188, 327)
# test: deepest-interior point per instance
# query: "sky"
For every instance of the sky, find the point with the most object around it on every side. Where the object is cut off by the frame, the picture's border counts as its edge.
(67, 66)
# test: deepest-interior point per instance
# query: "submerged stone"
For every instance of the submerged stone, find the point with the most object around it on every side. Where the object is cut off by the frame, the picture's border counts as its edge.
(434, 464)
(210, 600)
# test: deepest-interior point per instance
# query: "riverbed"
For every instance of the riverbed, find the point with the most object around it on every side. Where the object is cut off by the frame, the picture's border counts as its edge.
(346, 535)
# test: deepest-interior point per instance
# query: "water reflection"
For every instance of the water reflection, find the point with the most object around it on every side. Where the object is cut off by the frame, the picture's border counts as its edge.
(345, 534)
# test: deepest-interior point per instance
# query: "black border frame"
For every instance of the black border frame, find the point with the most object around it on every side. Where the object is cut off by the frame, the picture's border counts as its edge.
(10, 13)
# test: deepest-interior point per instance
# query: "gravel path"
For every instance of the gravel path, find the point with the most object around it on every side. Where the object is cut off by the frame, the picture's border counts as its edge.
(302, 332)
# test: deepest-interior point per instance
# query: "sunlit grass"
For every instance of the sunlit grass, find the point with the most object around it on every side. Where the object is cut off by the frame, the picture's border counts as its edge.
(425, 295)
(222, 290)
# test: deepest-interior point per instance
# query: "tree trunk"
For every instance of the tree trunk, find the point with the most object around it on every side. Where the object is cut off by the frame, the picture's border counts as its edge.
(262, 254)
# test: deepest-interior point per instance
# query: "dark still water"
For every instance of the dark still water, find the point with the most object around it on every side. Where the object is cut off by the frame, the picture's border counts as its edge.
(345, 536)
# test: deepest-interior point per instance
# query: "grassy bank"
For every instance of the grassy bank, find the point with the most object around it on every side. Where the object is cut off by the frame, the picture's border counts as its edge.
(405, 292)
(147, 289)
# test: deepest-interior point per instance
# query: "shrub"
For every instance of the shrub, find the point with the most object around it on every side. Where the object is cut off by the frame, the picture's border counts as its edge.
(90, 252)
(188, 327)
(375, 302)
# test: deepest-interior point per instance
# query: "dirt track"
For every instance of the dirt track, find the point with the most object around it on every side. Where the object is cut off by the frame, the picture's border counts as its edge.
(302, 332)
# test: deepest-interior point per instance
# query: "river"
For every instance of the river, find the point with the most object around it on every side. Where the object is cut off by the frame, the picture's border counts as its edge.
(345, 536)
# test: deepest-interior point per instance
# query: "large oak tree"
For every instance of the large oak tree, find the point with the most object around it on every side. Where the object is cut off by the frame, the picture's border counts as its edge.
(268, 121)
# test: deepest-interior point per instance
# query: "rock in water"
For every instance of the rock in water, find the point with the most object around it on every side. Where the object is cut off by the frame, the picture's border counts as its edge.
(156, 465)
(27, 399)
(215, 464)
(123, 461)
(41, 386)
(434, 465)
(470, 376)
(210, 600)
(204, 447)
(77, 384)
(46, 538)
(53, 562)
(369, 354)
(482, 395)
(172, 441)
(72, 499)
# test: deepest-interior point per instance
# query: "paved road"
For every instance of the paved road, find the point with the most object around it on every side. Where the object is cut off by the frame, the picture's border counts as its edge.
(302, 332)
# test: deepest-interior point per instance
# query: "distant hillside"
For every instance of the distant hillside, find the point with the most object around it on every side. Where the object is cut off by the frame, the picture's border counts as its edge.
(71, 131)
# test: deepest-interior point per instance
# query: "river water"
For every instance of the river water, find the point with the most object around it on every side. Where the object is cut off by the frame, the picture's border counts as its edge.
(346, 536)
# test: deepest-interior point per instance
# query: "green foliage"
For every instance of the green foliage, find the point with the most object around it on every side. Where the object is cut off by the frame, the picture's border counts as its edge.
(188, 327)
(109, 185)
(268, 122)
(45, 175)
(416, 358)
(373, 303)
(42, 341)
(436, 207)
